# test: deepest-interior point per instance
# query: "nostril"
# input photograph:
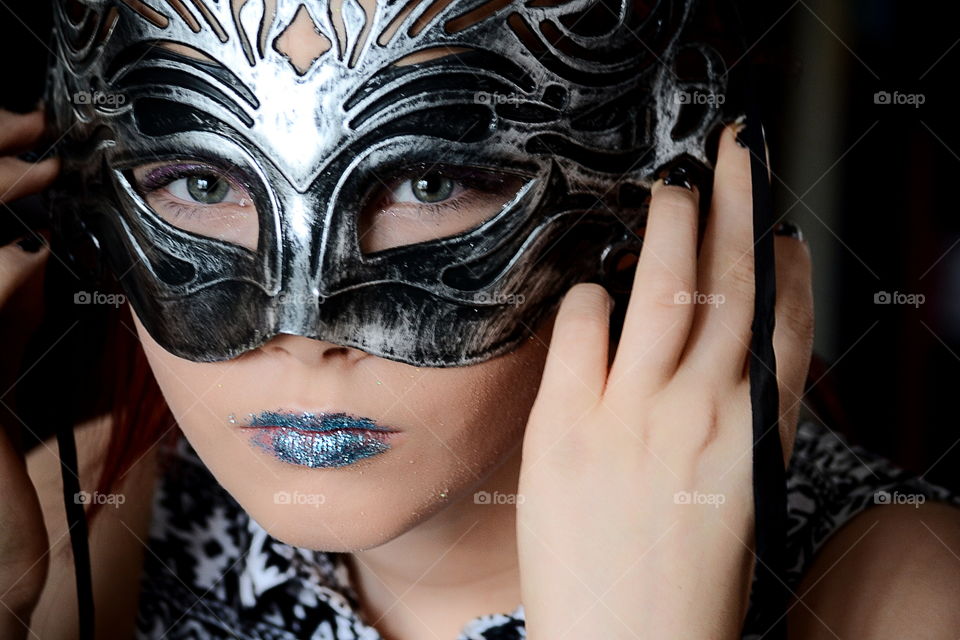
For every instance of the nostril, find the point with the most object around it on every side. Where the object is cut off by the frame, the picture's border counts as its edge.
(309, 351)
(336, 352)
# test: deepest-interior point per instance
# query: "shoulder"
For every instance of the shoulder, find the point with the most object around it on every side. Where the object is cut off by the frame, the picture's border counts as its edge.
(891, 571)
(874, 548)
(831, 482)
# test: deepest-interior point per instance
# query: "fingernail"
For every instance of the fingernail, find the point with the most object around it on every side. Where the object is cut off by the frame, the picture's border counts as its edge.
(30, 244)
(741, 136)
(34, 157)
(789, 229)
(678, 176)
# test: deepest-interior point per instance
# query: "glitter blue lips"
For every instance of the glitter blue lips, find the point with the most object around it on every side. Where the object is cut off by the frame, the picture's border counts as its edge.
(317, 440)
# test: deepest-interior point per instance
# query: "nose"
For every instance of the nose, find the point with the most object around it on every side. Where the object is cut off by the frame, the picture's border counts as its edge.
(309, 351)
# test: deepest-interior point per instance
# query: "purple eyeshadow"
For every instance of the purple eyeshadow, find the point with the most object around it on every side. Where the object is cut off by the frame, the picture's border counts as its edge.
(162, 176)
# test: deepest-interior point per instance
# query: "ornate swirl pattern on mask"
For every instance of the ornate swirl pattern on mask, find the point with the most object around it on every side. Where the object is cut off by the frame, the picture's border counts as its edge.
(314, 102)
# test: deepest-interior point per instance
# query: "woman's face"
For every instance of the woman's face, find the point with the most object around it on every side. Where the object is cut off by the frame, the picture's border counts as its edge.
(454, 426)
(352, 489)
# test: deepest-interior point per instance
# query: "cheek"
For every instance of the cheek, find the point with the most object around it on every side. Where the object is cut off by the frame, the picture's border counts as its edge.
(463, 421)
(473, 416)
(199, 396)
(459, 423)
(490, 402)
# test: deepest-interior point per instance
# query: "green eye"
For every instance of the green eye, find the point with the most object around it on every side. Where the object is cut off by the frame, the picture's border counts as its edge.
(208, 189)
(432, 187)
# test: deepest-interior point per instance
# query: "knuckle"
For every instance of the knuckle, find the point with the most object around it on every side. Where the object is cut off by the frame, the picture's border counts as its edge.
(739, 278)
(671, 295)
(798, 318)
(686, 430)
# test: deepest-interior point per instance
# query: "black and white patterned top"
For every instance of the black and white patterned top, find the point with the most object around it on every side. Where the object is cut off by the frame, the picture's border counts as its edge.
(212, 572)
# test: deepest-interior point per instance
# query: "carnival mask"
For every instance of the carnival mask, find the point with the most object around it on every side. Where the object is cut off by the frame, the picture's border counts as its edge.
(307, 123)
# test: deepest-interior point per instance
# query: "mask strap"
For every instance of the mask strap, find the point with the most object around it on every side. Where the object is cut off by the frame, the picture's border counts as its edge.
(77, 523)
(74, 353)
(770, 592)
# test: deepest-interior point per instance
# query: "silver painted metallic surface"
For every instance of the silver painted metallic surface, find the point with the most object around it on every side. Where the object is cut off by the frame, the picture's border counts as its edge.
(583, 117)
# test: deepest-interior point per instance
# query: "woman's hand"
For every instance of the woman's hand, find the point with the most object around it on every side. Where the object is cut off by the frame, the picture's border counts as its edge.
(637, 510)
(23, 537)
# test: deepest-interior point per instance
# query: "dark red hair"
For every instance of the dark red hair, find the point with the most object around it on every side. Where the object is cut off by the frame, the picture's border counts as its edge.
(140, 419)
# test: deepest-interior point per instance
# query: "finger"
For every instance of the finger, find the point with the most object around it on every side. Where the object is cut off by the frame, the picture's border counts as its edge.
(576, 365)
(23, 538)
(19, 178)
(721, 332)
(661, 307)
(18, 265)
(20, 131)
(793, 333)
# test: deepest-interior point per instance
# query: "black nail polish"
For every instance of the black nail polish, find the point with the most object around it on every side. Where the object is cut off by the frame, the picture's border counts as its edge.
(678, 176)
(788, 229)
(741, 137)
(34, 156)
(30, 244)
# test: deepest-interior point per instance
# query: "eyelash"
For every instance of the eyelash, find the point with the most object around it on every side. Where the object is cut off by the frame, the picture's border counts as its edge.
(152, 185)
(471, 181)
(178, 209)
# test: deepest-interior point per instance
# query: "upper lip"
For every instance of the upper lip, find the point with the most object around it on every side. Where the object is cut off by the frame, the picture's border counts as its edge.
(318, 421)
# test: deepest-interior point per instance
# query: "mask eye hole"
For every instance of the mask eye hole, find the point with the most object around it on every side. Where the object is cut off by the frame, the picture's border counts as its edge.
(200, 198)
(426, 203)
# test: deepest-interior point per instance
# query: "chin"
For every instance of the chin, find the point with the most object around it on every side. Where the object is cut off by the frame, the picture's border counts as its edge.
(335, 523)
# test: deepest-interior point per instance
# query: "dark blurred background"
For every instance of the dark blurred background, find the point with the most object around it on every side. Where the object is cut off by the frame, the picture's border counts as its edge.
(865, 147)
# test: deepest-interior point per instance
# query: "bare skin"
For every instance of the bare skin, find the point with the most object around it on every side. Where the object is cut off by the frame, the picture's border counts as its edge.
(37, 588)
(414, 539)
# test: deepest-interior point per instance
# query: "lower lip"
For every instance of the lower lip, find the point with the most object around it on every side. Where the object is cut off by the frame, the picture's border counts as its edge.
(338, 448)
(319, 449)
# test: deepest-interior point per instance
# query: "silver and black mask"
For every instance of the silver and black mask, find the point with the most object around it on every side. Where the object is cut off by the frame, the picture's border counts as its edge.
(559, 113)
